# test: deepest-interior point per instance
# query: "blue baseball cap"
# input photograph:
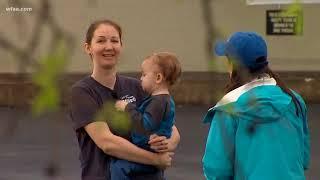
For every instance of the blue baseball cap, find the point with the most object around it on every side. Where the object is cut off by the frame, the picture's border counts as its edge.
(248, 48)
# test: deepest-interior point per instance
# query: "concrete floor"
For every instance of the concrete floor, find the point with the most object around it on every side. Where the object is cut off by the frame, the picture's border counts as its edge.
(36, 149)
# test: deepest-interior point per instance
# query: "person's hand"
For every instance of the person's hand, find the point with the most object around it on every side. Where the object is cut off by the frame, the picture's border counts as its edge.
(121, 105)
(164, 159)
(160, 144)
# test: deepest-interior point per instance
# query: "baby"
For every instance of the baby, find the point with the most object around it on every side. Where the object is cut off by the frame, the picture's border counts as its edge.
(155, 115)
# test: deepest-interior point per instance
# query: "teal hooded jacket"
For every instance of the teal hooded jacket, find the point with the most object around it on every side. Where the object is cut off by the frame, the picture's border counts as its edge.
(256, 134)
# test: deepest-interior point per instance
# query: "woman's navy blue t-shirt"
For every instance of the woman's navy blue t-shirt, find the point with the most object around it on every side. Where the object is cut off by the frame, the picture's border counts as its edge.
(87, 98)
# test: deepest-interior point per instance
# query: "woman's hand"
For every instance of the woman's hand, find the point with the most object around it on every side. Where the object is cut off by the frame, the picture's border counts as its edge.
(164, 160)
(161, 144)
(120, 105)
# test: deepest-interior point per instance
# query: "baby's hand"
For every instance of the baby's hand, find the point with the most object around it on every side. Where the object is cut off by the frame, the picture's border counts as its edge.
(120, 105)
(160, 143)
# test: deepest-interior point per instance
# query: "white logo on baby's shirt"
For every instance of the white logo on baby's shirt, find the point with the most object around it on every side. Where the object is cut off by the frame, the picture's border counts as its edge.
(128, 98)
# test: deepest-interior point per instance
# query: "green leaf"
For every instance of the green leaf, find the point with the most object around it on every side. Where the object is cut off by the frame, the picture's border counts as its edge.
(117, 120)
(296, 10)
(46, 79)
(47, 99)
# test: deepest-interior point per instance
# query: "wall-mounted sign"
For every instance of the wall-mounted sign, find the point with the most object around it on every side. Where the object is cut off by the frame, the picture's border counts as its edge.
(280, 23)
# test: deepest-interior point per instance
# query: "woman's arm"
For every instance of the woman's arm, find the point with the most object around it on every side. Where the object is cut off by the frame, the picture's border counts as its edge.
(121, 148)
(162, 144)
(175, 139)
(83, 109)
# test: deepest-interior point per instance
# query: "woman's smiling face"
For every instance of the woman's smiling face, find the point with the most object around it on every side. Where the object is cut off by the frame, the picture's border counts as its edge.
(105, 46)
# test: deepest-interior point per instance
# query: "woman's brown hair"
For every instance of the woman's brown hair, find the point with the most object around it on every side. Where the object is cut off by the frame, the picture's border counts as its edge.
(241, 75)
(96, 24)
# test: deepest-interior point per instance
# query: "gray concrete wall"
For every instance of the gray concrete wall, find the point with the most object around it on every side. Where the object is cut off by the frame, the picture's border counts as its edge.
(174, 25)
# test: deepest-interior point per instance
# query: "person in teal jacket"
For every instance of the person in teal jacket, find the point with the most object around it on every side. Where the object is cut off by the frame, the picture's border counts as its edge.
(258, 130)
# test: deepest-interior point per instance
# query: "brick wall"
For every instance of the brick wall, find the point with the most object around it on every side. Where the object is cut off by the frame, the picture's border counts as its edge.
(17, 90)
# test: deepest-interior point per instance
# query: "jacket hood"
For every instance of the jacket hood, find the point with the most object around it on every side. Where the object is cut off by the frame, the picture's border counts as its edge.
(260, 101)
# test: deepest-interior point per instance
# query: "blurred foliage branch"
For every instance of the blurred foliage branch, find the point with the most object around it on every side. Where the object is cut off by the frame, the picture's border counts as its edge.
(211, 32)
(295, 10)
(209, 25)
(47, 69)
(117, 120)
(46, 79)
(43, 17)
